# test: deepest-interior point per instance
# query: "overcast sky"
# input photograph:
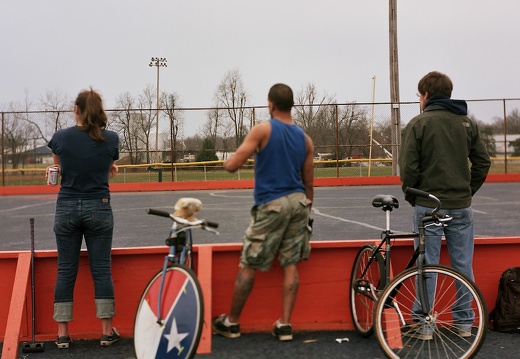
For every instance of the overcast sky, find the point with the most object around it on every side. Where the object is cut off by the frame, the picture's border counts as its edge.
(337, 45)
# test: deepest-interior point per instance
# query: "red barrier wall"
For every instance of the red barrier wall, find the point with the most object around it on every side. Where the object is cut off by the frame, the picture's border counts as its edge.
(233, 184)
(323, 300)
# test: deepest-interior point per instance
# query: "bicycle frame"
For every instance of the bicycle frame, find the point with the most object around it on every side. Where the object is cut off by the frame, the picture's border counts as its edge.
(173, 257)
(417, 258)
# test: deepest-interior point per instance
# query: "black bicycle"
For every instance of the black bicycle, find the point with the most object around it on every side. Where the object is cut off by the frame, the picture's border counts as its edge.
(412, 313)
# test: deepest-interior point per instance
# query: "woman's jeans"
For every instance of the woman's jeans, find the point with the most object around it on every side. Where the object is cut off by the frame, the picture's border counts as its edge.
(460, 243)
(93, 220)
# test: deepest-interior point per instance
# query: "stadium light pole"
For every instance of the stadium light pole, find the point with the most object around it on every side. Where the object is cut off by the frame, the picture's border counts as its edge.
(157, 62)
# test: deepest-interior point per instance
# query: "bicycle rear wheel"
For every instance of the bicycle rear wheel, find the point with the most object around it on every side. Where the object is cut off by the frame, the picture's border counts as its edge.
(367, 279)
(404, 334)
(177, 335)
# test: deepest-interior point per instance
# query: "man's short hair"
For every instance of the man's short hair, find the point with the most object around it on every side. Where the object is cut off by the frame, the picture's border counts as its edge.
(435, 83)
(281, 96)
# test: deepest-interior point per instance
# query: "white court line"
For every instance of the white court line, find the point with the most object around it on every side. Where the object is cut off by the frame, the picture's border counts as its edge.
(27, 206)
(228, 196)
(317, 212)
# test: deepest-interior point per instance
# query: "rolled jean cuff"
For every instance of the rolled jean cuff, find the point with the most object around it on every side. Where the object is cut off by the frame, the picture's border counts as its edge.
(105, 308)
(62, 312)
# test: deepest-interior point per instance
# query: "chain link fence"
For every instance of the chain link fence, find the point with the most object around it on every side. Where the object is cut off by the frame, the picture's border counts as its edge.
(190, 144)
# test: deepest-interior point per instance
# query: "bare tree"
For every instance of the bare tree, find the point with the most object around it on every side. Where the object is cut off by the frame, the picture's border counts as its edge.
(213, 124)
(170, 105)
(133, 121)
(512, 123)
(227, 137)
(316, 116)
(57, 103)
(17, 137)
(232, 98)
(146, 119)
(353, 129)
(124, 121)
(20, 132)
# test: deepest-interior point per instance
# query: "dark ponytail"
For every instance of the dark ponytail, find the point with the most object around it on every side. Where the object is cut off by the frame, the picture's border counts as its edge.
(94, 118)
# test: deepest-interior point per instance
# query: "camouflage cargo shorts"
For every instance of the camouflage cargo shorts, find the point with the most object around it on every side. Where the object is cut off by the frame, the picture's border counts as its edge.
(277, 227)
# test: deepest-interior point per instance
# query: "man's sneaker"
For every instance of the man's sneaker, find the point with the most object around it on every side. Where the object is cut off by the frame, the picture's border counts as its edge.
(63, 342)
(282, 331)
(464, 333)
(229, 331)
(107, 340)
(417, 330)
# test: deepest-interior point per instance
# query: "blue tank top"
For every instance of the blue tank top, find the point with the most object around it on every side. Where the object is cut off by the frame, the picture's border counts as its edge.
(279, 164)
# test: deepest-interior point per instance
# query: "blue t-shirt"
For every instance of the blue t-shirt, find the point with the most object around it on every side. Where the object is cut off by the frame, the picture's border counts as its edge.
(279, 164)
(84, 162)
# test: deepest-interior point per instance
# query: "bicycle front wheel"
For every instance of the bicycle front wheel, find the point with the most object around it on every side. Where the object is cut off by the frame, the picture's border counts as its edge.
(404, 331)
(366, 281)
(177, 333)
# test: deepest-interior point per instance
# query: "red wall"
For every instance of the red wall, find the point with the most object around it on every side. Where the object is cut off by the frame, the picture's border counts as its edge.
(323, 299)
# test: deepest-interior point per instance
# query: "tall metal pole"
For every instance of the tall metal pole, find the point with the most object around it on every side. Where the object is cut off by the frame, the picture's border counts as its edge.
(372, 125)
(157, 62)
(394, 86)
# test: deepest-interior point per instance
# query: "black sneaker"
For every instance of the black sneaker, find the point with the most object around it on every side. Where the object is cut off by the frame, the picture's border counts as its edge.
(229, 331)
(107, 340)
(63, 342)
(282, 331)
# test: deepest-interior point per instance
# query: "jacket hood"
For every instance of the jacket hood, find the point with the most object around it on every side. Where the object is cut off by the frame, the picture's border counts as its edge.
(458, 107)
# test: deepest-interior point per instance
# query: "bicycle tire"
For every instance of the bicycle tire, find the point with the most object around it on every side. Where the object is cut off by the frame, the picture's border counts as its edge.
(179, 333)
(441, 338)
(361, 304)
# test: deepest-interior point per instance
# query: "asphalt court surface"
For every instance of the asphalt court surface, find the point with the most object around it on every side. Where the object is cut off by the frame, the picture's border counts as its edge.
(339, 213)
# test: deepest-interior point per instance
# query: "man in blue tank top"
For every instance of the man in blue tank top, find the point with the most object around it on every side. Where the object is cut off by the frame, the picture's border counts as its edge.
(283, 192)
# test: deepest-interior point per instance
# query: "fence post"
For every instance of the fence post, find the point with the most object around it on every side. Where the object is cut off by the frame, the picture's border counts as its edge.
(337, 140)
(505, 137)
(3, 152)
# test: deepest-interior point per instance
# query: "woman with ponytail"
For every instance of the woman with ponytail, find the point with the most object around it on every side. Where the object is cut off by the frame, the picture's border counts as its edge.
(85, 155)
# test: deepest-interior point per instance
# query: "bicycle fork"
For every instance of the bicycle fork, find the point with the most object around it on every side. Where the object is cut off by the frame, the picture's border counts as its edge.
(171, 258)
(167, 259)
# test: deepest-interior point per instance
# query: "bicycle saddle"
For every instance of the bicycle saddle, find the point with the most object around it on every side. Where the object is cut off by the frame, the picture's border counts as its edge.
(386, 201)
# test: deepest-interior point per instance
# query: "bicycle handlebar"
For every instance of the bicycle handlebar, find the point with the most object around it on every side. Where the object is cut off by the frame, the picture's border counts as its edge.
(157, 212)
(419, 193)
(199, 222)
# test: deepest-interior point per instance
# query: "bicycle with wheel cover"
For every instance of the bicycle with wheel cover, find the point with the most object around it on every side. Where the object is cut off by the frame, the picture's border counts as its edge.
(170, 315)
(413, 313)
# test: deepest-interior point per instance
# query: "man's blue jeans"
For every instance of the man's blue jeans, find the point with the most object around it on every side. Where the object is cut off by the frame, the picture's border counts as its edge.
(460, 243)
(93, 220)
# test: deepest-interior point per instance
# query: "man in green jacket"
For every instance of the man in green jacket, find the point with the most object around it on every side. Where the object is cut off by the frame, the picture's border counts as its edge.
(442, 154)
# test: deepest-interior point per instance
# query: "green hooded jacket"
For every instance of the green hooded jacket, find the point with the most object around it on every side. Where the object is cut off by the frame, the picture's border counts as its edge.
(442, 154)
